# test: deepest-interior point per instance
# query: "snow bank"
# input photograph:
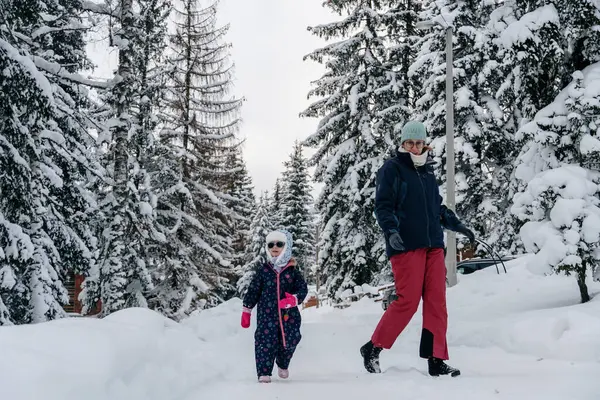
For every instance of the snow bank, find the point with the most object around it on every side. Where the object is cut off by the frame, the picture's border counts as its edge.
(132, 354)
(525, 313)
(512, 335)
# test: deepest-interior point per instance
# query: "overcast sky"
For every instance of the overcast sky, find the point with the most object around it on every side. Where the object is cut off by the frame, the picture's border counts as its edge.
(269, 39)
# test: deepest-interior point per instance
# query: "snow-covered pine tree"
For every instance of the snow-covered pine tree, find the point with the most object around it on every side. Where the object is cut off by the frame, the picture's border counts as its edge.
(530, 50)
(395, 100)
(200, 123)
(276, 205)
(241, 190)
(349, 151)
(296, 205)
(559, 169)
(581, 41)
(131, 240)
(46, 158)
(255, 250)
(481, 143)
(310, 271)
(238, 186)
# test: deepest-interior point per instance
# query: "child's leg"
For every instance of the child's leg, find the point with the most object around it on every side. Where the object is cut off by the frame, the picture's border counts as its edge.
(284, 356)
(264, 354)
(293, 337)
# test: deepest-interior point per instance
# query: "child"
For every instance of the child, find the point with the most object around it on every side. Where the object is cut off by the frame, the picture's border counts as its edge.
(278, 288)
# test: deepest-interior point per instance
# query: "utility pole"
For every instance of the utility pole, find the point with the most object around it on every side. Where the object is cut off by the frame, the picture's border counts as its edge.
(450, 192)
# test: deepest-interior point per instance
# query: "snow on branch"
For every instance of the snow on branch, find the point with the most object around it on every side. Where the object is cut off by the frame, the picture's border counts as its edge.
(28, 65)
(525, 28)
(57, 69)
(102, 9)
(47, 29)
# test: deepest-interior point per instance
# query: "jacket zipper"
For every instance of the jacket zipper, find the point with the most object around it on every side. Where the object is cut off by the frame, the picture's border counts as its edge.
(425, 203)
(279, 309)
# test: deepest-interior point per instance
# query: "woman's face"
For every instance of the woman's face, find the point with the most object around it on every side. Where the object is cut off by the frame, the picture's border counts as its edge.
(414, 146)
(275, 248)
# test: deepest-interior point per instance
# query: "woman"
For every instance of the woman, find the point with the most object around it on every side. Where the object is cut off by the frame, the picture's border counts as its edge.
(409, 210)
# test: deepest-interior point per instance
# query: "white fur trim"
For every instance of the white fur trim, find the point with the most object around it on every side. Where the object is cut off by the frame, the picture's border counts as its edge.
(276, 236)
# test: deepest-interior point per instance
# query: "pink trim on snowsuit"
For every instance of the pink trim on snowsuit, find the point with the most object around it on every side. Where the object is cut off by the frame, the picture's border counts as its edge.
(278, 300)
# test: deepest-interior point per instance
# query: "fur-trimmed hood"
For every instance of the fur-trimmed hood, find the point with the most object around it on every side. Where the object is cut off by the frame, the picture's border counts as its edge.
(286, 254)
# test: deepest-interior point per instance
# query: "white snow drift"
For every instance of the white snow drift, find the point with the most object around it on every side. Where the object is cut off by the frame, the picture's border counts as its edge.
(514, 336)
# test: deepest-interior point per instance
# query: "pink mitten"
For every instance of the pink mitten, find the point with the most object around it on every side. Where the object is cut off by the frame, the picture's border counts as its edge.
(246, 314)
(289, 301)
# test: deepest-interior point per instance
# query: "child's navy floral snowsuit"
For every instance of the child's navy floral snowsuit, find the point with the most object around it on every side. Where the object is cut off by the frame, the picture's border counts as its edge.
(278, 330)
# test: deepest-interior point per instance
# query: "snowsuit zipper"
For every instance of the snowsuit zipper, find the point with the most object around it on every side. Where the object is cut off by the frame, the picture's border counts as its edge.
(425, 203)
(278, 274)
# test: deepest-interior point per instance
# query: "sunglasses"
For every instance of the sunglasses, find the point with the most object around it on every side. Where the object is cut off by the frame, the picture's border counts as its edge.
(278, 244)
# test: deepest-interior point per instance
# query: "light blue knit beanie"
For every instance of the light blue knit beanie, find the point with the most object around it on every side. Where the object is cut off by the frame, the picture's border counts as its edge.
(413, 130)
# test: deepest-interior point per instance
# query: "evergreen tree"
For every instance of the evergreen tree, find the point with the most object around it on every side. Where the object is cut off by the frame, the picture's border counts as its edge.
(538, 48)
(349, 151)
(45, 157)
(482, 145)
(243, 203)
(200, 123)
(260, 228)
(581, 43)
(394, 102)
(276, 205)
(131, 240)
(559, 170)
(296, 203)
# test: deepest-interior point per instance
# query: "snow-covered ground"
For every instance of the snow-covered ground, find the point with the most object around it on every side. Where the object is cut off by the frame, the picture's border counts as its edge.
(514, 336)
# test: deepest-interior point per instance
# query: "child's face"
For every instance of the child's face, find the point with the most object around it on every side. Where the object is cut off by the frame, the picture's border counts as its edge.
(275, 248)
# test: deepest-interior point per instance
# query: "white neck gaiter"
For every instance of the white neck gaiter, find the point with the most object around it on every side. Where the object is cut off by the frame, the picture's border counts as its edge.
(418, 160)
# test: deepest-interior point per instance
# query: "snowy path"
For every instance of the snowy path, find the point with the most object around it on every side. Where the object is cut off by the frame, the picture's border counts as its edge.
(515, 336)
(328, 364)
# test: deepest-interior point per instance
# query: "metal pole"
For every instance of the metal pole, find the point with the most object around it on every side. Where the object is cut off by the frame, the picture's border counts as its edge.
(450, 196)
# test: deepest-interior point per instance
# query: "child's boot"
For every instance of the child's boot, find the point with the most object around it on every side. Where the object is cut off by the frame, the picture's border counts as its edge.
(283, 373)
(264, 379)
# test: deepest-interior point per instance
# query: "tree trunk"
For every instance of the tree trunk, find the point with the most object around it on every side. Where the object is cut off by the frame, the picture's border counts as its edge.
(188, 96)
(583, 289)
(123, 97)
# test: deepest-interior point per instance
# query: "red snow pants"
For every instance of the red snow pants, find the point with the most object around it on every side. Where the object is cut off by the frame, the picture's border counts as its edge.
(418, 273)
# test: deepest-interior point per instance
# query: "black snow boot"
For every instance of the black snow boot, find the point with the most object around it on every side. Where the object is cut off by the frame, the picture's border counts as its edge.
(438, 367)
(370, 355)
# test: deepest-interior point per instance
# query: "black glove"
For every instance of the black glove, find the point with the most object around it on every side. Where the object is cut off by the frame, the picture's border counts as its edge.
(467, 232)
(396, 241)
